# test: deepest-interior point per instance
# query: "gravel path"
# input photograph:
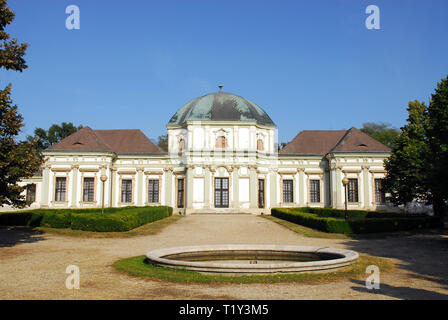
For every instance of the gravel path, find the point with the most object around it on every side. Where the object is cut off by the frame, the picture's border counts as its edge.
(32, 266)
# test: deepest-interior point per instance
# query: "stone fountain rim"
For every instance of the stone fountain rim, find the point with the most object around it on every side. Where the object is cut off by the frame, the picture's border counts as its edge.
(347, 257)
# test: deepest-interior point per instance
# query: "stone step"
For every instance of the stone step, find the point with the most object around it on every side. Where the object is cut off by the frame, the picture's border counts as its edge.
(217, 211)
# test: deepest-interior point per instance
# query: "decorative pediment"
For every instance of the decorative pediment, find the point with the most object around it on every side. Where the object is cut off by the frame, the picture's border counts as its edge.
(221, 132)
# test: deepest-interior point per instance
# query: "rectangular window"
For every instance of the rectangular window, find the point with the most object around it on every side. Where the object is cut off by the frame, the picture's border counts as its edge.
(126, 191)
(31, 193)
(60, 189)
(288, 195)
(260, 193)
(153, 191)
(314, 190)
(180, 193)
(221, 192)
(88, 190)
(379, 194)
(352, 190)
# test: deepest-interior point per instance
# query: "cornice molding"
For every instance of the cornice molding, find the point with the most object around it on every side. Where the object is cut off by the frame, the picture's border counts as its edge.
(61, 169)
(126, 172)
(89, 169)
(155, 173)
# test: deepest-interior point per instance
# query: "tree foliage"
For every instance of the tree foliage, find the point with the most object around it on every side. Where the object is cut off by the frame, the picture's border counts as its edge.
(47, 138)
(11, 52)
(18, 160)
(405, 166)
(417, 168)
(382, 132)
(163, 142)
(281, 145)
(436, 128)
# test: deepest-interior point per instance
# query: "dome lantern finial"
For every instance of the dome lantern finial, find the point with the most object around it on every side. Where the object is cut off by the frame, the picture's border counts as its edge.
(220, 87)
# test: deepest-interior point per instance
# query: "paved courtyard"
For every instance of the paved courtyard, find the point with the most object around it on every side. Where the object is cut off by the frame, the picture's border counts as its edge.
(32, 266)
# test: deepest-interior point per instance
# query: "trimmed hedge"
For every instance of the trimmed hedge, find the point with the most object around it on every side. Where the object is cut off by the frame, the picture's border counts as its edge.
(340, 213)
(119, 221)
(359, 221)
(113, 220)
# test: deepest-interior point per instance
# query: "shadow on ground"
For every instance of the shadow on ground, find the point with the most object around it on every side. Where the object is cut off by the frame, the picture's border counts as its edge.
(11, 236)
(400, 292)
(425, 256)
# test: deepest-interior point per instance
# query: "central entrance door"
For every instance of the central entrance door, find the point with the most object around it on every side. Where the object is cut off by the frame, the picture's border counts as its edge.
(221, 192)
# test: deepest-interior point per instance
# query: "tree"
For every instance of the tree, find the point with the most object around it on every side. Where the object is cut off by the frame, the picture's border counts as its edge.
(417, 168)
(436, 129)
(281, 145)
(47, 138)
(382, 132)
(163, 142)
(18, 160)
(405, 179)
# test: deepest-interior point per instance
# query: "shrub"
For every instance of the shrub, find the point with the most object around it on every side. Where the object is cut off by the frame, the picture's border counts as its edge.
(340, 213)
(133, 217)
(15, 218)
(326, 224)
(114, 219)
(55, 220)
(360, 221)
(90, 222)
(35, 220)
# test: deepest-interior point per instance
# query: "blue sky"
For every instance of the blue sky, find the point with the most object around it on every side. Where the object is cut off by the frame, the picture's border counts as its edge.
(308, 64)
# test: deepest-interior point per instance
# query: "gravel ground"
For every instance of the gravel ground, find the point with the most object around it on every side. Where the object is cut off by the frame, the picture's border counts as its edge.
(32, 266)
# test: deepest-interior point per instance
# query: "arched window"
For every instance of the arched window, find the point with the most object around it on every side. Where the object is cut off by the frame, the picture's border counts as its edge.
(260, 146)
(221, 142)
(181, 145)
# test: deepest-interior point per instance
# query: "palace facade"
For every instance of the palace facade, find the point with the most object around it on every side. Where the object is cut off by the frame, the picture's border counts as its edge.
(222, 158)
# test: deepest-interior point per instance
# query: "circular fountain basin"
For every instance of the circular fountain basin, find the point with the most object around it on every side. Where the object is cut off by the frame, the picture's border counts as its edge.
(252, 258)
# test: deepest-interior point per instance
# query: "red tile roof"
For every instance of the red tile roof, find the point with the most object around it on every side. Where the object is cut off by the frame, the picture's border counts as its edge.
(118, 141)
(321, 142)
(313, 142)
(357, 141)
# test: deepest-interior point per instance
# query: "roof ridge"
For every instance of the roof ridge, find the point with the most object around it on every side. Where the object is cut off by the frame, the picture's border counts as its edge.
(355, 138)
(76, 133)
(347, 132)
(323, 130)
(116, 130)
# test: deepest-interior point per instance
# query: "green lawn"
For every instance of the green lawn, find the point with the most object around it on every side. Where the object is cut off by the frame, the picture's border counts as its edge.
(138, 267)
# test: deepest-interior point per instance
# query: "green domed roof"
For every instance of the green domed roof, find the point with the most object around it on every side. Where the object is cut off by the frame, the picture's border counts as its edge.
(221, 106)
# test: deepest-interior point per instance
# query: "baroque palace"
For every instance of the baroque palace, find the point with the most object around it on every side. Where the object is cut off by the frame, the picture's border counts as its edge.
(222, 158)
